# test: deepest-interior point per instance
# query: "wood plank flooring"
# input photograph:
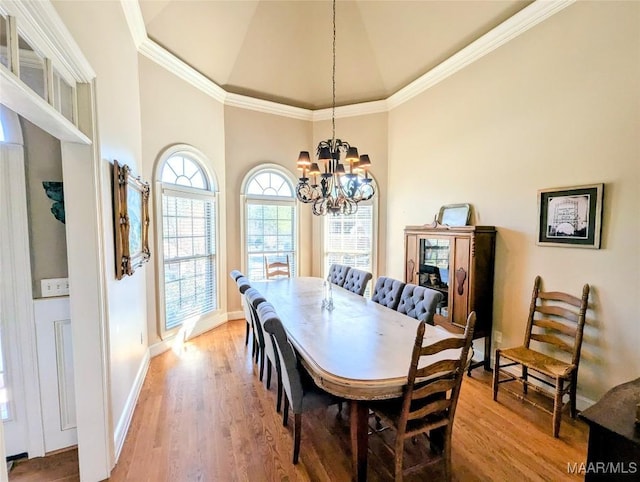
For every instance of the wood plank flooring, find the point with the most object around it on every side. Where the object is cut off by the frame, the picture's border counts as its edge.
(203, 415)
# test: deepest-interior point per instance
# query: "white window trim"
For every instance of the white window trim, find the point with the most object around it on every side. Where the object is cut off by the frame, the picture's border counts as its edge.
(374, 228)
(244, 200)
(201, 159)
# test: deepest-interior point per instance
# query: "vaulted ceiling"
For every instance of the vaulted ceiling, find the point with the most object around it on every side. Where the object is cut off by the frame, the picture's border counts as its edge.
(281, 50)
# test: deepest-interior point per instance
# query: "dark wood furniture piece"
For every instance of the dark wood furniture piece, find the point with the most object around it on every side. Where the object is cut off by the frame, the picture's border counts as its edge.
(614, 438)
(458, 261)
(555, 326)
(353, 351)
(430, 398)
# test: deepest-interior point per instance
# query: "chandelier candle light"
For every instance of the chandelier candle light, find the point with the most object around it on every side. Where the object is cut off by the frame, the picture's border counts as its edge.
(340, 189)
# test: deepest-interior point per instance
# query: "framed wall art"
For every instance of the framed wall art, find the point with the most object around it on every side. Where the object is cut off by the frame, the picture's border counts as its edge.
(131, 220)
(570, 216)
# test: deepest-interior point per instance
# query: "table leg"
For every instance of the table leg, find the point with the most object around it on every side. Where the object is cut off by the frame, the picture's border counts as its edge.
(359, 439)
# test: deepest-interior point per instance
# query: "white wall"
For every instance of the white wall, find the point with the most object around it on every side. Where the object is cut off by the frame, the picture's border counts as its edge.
(102, 33)
(557, 106)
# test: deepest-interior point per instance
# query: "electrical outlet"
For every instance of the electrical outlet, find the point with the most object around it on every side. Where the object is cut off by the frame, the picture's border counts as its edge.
(54, 287)
(497, 336)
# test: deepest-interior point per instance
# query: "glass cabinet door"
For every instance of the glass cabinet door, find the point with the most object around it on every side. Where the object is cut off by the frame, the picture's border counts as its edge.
(433, 270)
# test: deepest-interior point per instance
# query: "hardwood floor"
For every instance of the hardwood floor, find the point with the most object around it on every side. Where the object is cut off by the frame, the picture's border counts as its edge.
(203, 415)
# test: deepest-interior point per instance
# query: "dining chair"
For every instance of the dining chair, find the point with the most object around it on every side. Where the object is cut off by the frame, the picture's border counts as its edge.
(338, 274)
(430, 397)
(277, 269)
(243, 285)
(555, 324)
(387, 292)
(419, 302)
(301, 393)
(356, 281)
(265, 352)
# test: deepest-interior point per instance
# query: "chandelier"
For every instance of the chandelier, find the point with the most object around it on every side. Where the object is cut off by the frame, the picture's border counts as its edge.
(332, 185)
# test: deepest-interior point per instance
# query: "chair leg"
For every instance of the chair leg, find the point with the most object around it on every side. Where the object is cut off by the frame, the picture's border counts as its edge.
(268, 373)
(279, 400)
(297, 429)
(246, 336)
(261, 364)
(285, 412)
(525, 375)
(496, 374)
(399, 452)
(572, 394)
(557, 407)
(447, 454)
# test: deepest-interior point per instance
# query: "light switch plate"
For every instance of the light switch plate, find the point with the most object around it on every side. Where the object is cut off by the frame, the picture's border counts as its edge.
(54, 287)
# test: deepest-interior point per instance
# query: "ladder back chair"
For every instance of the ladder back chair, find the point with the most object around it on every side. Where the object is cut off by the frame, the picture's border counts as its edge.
(556, 324)
(387, 292)
(301, 393)
(277, 269)
(338, 274)
(356, 281)
(430, 398)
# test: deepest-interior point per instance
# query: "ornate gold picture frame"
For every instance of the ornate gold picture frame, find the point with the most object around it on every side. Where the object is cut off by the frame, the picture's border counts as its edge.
(131, 220)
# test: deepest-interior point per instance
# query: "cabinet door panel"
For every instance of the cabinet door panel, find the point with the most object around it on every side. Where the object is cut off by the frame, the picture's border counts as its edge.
(460, 282)
(411, 255)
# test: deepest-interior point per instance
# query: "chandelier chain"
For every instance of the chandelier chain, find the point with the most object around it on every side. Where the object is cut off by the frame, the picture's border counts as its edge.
(333, 80)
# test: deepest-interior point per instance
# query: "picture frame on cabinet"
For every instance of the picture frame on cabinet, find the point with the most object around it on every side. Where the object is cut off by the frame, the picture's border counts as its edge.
(454, 214)
(131, 220)
(570, 216)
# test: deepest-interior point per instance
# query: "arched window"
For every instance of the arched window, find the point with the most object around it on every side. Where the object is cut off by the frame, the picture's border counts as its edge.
(187, 234)
(270, 219)
(352, 240)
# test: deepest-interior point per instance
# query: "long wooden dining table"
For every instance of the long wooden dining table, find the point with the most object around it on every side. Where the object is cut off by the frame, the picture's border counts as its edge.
(360, 350)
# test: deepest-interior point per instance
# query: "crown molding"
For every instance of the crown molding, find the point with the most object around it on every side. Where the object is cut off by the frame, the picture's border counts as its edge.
(268, 107)
(40, 24)
(173, 64)
(134, 18)
(511, 28)
(353, 110)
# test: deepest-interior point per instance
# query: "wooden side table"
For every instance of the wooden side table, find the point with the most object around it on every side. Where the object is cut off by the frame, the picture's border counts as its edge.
(614, 437)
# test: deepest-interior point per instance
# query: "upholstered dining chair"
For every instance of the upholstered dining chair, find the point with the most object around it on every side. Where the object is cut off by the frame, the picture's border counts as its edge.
(555, 326)
(356, 281)
(419, 302)
(430, 398)
(387, 292)
(338, 274)
(266, 351)
(301, 393)
(277, 269)
(243, 285)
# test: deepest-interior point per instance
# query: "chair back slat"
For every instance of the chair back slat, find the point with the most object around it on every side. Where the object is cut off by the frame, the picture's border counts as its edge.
(446, 344)
(559, 317)
(559, 296)
(434, 407)
(434, 389)
(429, 389)
(569, 330)
(552, 340)
(277, 269)
(553, 310)
(441, 366)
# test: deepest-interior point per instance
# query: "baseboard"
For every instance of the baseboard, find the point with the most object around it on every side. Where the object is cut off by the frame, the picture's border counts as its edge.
(201, 327)
(127, 414)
